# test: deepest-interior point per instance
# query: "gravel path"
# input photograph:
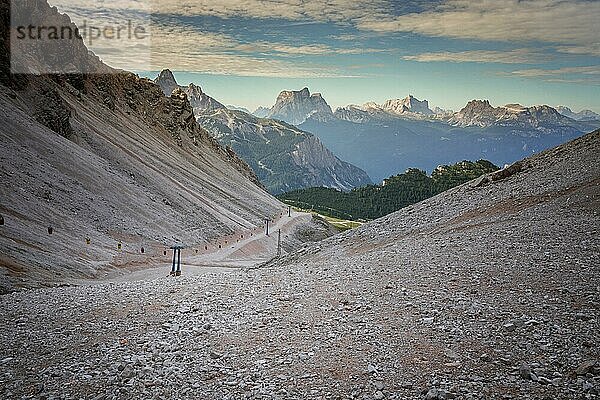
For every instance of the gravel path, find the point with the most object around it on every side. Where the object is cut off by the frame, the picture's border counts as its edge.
(488, 291)
(241, 250)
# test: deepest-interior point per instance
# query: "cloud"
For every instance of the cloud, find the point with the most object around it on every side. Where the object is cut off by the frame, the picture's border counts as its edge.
(517, 56)
(568, 26)
(539, 72)
(567, 23)
(186, 48)
(592, 49)
(293, 10)
(589, 75)
(549, 21)
(301, 50)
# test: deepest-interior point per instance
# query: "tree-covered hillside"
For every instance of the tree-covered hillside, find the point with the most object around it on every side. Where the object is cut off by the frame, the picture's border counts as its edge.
(374, 201)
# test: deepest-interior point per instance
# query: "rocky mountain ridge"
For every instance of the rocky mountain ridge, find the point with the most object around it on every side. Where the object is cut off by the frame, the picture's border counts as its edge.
(200, 101)
(583, 115)
(297, 107)
(481, 113)
(477, 113)
(283, 156)
(408, 104)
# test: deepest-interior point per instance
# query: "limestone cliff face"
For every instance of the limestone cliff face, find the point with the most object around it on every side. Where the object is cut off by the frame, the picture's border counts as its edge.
(541, 118)
(408, 104)
(284, 157)
(326, 169)
(295, 107)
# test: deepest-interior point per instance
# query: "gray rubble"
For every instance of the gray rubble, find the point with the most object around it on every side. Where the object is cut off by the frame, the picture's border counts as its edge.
(488, 292)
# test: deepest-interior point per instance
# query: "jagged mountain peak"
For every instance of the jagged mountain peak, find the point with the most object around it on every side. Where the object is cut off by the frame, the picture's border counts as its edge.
(166, 74)
(295, 107)
(195, 88)
(200, 101)
(261, 112)
(283, 156)
(408, 104)
(481, 113)
(167, 82)
(474, 105)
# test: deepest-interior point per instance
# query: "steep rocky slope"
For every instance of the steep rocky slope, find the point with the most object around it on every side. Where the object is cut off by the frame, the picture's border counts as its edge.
(487, 291)
(107, 157)
(283, 156)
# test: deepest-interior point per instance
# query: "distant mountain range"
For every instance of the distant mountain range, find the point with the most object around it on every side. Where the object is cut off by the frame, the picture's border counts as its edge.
(283, 156)
(583, 115)
(384, 139)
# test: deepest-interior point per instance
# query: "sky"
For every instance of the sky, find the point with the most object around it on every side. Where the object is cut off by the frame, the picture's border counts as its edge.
(448, 52)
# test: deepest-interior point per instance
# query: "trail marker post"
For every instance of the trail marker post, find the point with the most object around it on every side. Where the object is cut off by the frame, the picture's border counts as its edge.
(267, 227)
(289, 211)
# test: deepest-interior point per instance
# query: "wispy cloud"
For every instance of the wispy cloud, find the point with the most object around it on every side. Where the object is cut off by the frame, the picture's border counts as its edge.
(517, 56)
(293, 10)
(589, 75)
(188, 48)
(310, 49)
(592, 49)
(537, 72)
(566, 26)
(548, 21)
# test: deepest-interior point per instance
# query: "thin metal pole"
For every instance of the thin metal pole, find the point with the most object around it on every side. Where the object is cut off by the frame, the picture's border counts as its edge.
(289, 211)
(267, 227)
(174, 255)
(178, 261)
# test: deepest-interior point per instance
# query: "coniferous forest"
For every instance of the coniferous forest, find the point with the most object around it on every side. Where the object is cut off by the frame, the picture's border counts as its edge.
(374, 201)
